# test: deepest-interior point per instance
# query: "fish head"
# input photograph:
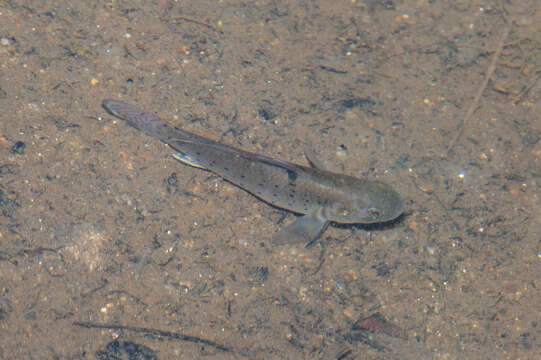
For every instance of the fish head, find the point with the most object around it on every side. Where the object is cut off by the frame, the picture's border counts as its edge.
(372, 202)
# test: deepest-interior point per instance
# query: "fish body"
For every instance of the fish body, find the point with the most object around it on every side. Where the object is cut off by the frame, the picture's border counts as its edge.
(320, 195)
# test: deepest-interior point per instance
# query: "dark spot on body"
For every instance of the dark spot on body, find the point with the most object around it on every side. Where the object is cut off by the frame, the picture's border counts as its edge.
(292, 176)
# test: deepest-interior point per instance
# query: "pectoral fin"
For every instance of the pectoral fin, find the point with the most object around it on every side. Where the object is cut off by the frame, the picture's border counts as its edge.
(307, 228)
(188, 160)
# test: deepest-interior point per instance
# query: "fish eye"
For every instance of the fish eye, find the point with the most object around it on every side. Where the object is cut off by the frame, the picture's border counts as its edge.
(374, 212)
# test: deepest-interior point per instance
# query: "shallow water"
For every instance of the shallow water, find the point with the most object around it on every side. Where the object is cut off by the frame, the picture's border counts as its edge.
(100, 226)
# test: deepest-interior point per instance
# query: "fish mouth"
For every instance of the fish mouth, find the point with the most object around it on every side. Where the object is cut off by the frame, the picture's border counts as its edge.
(400, 209)
(397, 210)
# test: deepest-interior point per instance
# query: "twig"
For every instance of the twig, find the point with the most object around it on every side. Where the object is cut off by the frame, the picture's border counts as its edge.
(488, 76)
(154, 332)
(526, 91)
(195, 21)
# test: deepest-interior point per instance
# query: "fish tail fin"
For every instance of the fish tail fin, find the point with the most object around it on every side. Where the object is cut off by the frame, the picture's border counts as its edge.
(143, 120)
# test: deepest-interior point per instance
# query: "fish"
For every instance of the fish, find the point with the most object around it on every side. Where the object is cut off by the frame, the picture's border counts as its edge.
(319, 196)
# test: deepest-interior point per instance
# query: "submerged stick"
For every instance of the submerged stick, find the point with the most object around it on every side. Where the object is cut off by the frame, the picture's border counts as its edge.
(154, 332)
(481, 90)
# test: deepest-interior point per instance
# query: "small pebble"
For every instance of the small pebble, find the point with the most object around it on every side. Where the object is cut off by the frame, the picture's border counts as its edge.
(18, 148)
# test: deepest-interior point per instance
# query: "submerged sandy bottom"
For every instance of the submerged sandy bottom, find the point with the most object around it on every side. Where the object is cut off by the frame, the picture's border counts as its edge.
(109, 247)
